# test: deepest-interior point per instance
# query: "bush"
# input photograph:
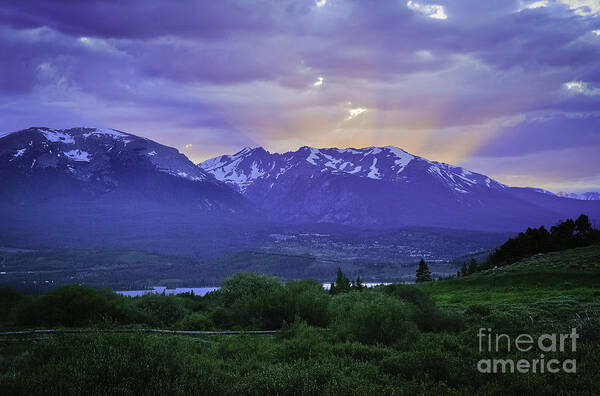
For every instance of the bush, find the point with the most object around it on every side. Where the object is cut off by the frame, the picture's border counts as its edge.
(437, 320)
(75, 306)
(410, 293)
(589, 328)
(423, 309)
(307, 300)
(196, 321)
(256, 301)
(371, 317)
(9, 298)
(478, 309)
(300, 341)
(160, 310)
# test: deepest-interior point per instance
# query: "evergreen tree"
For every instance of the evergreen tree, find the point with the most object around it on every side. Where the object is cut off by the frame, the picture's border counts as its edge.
(341, 285)
(565, 235)
(358, 284)
(582, 225)
(473, 266)
(463, 269)
(423, 273)
(332, 288)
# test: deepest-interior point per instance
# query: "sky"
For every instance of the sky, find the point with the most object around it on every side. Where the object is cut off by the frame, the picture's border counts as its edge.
(510, 89)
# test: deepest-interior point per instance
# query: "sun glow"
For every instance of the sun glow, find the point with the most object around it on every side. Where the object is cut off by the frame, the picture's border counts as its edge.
(537, 4)
(432, 11)
(581, 87)
(355, 112)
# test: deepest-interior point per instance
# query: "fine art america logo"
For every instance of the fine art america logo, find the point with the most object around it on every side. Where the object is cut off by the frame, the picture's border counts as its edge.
(495, 343)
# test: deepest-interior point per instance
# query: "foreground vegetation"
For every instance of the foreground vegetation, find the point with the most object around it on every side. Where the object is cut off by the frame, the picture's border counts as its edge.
(395, 339)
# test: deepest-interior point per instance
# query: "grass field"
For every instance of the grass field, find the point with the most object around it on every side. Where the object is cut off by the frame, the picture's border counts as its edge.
(572, 274)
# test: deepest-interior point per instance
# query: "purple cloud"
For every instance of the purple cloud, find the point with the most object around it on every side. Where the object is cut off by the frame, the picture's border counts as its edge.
(216, 76)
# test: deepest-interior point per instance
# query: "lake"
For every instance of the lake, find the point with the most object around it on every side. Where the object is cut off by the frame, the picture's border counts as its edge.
(201, 291)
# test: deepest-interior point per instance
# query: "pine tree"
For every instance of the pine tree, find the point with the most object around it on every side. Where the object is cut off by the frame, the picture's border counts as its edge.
(582, 225)
(358, 284)
(332, 288)
(463, 269)
(423, 273)
(473, 266)
(341, 285)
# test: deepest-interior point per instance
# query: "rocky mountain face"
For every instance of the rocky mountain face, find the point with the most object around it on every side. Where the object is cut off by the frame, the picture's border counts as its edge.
(585, 196)
(384, 187)
(94, 187)
(105, 165)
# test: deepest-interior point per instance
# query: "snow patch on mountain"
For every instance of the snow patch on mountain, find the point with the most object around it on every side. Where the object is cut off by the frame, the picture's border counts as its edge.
(541, 190)
(78, 155)
(106, 132)
(259, 169)
(312, 156)
(403, 158)
(373, 171)
(584, 196)
(19, 153)
(57, 136)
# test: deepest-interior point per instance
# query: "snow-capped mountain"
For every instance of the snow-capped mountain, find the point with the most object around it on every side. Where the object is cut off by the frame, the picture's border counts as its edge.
(585, 196)
(80, 171)
(252, 166)
(382, 186)
(103, 164)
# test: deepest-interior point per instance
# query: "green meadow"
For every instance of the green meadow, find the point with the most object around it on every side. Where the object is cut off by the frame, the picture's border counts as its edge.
(396, 339)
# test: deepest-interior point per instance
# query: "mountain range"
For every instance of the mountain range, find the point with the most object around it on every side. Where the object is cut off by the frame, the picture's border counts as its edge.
(384, 187)
(104, 187)
(585, 196)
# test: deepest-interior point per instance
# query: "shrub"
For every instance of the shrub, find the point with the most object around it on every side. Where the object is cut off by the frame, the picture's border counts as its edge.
(410, 293)
(161, 310)
(371, 317)
(423, 309)
(257, 301)
(75, 306)
(196, 321)
(589, 328)
(478, 309)
(9, 298)
(307, 300)
(299, 341)
(437, 320)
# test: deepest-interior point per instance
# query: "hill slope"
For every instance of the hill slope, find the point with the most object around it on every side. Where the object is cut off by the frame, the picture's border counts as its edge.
(569, 275)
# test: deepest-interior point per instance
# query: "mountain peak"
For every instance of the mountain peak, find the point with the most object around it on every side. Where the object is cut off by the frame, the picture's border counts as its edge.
(86, 152)
(389, 163)
(249, 150)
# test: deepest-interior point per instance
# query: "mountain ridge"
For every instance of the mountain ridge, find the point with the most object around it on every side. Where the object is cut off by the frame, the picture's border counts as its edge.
(222, 166)
(373, 187)
(382, 186)
(584, 196)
